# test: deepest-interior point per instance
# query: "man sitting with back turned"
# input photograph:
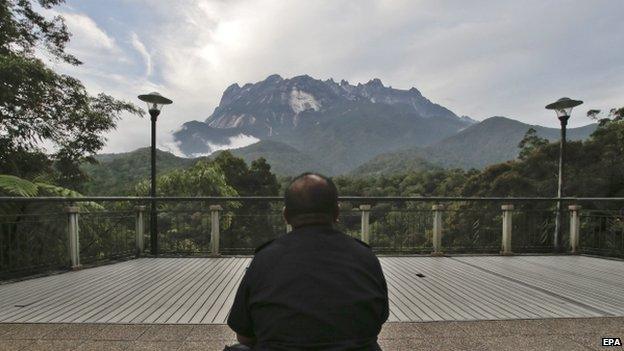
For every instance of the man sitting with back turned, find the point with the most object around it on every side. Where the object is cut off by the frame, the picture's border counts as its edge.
(314, 288)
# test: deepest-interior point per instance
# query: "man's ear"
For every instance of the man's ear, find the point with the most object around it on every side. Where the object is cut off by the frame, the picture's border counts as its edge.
(285, 214)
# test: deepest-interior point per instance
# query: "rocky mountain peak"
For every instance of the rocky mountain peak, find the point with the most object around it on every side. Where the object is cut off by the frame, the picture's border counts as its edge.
(229, 94)
(274, 78)
(269, 106)
(375, 83)
(415, 91)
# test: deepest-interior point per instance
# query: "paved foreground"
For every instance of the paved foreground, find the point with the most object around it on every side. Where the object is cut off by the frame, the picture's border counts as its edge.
(549, 334)
(201, 290)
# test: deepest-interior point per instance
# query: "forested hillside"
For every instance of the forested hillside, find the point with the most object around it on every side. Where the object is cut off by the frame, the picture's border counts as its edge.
(594, 168)
(117, 174)
(284, 159)
(491, 141)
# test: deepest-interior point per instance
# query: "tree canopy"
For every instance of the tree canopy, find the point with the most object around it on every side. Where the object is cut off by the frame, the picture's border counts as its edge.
(40, 106)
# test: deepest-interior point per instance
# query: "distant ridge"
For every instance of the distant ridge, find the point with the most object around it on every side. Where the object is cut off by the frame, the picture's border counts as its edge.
(491, 141)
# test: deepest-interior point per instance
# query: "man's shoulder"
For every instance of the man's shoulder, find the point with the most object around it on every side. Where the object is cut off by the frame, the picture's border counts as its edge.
(264, 245)
(289, 240)
(362, 243)
(272, 245)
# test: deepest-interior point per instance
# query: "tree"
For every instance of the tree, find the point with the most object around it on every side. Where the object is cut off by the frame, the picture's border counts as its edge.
(38, 105)
(529, 143)
(185, 226)
(265, 182)
(202, 179)
(248, 181)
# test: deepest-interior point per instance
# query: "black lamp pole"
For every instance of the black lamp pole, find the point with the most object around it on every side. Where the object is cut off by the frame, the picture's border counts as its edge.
(153, 215)
(562, 151)
(155, 102)
(563, 108)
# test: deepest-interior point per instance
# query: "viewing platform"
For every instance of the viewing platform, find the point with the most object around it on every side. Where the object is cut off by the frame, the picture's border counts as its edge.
(470, 302)
(462, 274)
(421, 289)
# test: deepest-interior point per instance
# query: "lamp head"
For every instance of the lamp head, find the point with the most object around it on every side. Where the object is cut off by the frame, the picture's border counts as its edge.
(563, 107)
(154, 101)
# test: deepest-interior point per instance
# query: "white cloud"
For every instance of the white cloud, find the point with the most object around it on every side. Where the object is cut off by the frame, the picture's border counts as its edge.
(140, 48)
(88, 39)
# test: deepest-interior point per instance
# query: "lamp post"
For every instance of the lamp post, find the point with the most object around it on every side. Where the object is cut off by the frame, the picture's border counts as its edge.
(563, 108)
(155, 102)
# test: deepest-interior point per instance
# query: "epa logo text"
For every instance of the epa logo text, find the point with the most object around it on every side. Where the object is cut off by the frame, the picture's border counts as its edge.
(611, 342)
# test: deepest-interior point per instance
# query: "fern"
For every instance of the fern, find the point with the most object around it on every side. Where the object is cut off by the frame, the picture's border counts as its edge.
(15, 186)
(54, 190)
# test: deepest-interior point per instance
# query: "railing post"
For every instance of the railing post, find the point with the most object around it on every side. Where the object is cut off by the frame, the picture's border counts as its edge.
(575, 227)
(436, 237)
(507, 228)
(139, 229)
(365, 233)
(214, 229)
(72, 235)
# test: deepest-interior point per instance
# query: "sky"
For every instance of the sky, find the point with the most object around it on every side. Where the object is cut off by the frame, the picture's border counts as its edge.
(478, 58)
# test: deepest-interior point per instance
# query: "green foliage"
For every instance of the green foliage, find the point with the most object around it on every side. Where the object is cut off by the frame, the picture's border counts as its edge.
(285, 160)
(118, 174)
(14, 186)
(39, 105)
(406, 161)
(33, 234)
(436, 182)
(202, 179)
(530, 143)
(250, 224)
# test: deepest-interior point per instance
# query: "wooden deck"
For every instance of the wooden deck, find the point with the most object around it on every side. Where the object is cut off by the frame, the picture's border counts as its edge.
(201, 290)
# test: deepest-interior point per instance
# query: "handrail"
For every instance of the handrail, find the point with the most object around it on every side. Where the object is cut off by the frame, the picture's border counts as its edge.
(279, 198)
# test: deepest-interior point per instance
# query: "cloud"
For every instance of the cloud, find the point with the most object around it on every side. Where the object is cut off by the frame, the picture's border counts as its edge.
(489, 58)
(88, 39)
(140, 48)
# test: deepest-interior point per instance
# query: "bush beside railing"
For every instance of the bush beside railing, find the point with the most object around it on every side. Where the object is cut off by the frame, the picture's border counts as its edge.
(37, 235)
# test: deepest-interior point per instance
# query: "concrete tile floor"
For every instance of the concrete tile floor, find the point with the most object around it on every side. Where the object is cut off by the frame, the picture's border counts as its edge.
(548, 334)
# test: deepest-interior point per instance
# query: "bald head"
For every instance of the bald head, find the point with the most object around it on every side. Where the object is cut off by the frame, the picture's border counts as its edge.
(311, 199)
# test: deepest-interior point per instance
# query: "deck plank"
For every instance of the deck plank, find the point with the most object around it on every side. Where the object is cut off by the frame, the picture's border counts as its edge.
(201, 290)
(571, 278)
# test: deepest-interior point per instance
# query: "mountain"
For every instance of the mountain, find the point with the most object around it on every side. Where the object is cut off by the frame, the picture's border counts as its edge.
(339, 124)
(117, 174)
(491, 141)
(284, 159)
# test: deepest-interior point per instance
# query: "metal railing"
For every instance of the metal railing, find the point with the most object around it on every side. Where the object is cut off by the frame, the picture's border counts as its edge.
(40, 234)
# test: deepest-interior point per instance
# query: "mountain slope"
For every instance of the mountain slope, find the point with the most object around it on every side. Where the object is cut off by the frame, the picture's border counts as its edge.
(339, 124)
(491, 141)
(284, 159)
(394, 163)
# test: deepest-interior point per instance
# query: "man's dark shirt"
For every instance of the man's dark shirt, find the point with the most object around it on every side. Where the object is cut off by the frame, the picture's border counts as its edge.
(312, 289)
